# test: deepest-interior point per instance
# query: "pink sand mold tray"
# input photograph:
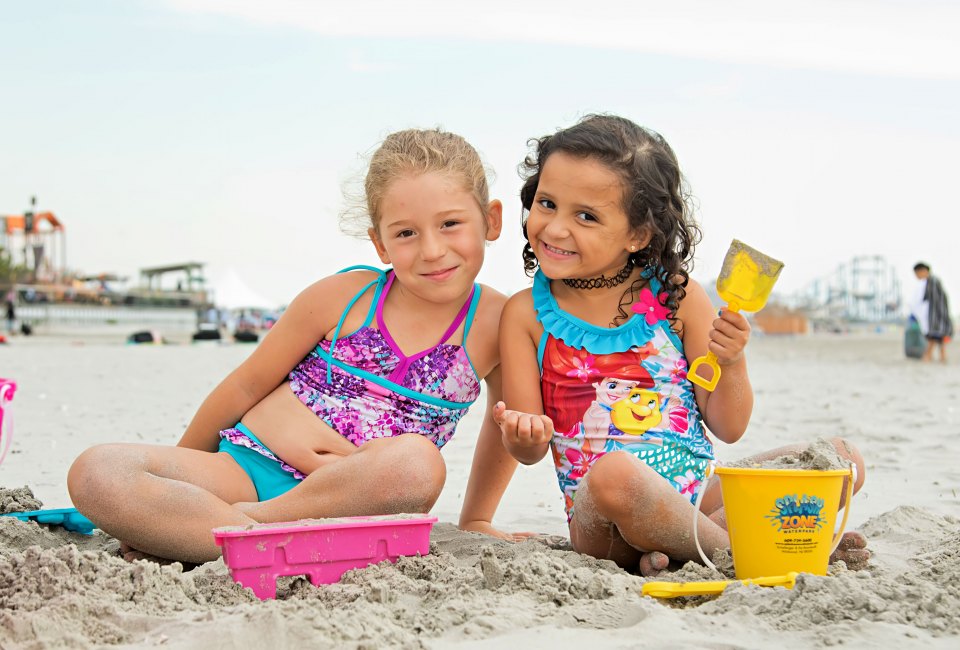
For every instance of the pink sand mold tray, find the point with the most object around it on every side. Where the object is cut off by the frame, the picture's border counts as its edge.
(323, 549)
(7, 389)
(68, 518)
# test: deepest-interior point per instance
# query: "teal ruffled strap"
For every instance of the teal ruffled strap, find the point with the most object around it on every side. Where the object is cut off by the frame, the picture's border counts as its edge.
(583, 335)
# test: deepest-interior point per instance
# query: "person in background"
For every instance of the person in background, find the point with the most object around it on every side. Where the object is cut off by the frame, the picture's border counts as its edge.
(11, 311)
(932, 311)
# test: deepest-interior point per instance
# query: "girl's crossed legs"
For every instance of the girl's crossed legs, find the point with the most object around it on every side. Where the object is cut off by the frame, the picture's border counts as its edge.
(627, 506)
(164, 501)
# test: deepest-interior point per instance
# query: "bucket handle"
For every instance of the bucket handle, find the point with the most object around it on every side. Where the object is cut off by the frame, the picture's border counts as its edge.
(846, 508)
(696, 511)
(710, 472)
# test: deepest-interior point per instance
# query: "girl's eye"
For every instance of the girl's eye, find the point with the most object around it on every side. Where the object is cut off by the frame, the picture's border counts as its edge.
(611, 385)
(585, 216)
(450, 224)
(403, 234)
(547, 204)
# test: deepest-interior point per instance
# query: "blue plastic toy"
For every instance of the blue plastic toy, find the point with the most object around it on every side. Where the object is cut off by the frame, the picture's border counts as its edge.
(69, 518)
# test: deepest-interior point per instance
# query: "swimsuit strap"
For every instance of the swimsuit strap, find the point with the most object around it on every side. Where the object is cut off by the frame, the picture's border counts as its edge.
(468, 307)
(377, 295)
(405, 361)
(471, 312)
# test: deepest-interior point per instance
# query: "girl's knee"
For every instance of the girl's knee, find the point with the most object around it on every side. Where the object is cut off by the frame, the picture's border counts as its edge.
(414, 470)
(614, 474)
(91, 470)
(848, 451)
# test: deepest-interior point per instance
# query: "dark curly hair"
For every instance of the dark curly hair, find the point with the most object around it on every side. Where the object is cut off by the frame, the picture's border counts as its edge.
(655, 196)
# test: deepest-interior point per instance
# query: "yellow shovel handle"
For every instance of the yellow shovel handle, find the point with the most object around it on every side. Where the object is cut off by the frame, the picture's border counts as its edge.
(676, 589)
(846, 508)
(710, 360)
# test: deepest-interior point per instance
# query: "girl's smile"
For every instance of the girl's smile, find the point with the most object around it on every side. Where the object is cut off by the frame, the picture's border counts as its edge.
(441, 274)
(553, 251)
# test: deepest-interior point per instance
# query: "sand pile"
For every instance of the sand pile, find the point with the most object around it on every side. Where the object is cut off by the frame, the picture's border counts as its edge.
(62, 589)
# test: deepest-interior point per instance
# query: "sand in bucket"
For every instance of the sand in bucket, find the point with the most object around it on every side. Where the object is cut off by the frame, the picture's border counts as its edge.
(781, 520)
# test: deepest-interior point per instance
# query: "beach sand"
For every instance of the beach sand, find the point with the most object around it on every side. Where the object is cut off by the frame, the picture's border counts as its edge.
(61, 589)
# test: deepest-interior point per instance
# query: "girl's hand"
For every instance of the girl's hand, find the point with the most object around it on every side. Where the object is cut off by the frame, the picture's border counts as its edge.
(522, 429)
(487, 528)
(729, 337)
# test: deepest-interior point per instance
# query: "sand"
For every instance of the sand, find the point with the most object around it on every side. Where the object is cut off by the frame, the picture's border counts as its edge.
(61, 589)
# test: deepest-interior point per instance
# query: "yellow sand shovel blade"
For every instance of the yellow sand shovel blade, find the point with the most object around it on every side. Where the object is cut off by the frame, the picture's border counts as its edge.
(747, 277)
(677, 589)
(745, 283)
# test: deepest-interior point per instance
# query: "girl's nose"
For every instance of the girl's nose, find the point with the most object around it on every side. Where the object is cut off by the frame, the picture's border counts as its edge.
(432, 247)
(556, 228)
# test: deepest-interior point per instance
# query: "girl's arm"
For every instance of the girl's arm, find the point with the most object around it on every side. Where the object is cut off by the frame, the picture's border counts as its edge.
(491, 471)
(310, 316)
(726, 411)
(526, 431)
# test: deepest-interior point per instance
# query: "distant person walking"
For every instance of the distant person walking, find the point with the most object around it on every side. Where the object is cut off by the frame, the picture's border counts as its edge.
(11, 310)
(932, 312)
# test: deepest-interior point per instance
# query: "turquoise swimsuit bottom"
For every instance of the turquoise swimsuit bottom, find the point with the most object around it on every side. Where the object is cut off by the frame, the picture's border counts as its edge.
(269, 478)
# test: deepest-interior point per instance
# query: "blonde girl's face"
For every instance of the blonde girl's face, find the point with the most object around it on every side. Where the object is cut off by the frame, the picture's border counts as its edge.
(434, 234)
(577, 227)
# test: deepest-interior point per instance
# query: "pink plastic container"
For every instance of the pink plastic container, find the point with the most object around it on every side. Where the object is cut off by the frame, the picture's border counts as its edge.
(7, 389)
(322, 549)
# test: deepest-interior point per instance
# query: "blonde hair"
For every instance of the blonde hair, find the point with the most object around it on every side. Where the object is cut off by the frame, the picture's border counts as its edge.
(413, 152)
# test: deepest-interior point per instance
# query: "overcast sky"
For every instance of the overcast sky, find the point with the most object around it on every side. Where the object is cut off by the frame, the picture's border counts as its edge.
(170, 131)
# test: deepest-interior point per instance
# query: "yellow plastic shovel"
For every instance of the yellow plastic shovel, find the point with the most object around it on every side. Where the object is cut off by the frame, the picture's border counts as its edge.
(745, 283)
(677, 589)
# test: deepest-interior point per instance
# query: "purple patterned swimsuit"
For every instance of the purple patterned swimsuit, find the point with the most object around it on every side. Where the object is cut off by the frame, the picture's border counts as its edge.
(365, 387)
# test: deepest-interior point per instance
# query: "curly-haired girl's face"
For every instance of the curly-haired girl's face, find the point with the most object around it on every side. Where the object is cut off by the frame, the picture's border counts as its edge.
(577, 227)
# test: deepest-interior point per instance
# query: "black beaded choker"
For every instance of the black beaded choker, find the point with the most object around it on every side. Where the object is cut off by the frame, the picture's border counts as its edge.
(602, 282)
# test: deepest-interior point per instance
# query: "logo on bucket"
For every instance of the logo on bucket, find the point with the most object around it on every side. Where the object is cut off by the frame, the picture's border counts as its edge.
(791, 514)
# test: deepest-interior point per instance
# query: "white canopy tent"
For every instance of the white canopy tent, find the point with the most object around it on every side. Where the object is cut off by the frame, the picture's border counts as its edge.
(231, 292)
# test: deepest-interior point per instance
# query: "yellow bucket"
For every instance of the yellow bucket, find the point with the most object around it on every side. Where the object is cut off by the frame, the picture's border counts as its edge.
(782, 520)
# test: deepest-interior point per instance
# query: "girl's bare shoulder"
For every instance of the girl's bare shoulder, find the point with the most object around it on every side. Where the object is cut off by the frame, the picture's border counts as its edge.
(694, 295)
(320, 305)
(520, 315)
(489, 307)
(347, 284)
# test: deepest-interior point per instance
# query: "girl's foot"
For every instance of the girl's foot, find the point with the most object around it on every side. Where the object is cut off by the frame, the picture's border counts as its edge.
(852, 550)
(131, 554)
(653, 564)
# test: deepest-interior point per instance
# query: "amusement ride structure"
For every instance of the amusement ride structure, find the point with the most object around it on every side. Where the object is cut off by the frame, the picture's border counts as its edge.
(866, 289)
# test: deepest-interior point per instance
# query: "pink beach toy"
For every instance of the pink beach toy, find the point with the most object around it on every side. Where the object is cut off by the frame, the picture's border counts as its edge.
(322, 549)
(7, 389)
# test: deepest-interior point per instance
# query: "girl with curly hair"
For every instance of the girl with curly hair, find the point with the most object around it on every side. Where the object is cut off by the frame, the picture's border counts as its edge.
(610, 242)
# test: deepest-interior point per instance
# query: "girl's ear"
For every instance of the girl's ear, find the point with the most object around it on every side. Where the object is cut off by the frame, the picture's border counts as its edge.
(641, 239)
(378, 244)
(494, 219)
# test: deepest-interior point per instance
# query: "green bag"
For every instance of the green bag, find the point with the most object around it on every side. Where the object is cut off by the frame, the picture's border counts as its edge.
(914, 344)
